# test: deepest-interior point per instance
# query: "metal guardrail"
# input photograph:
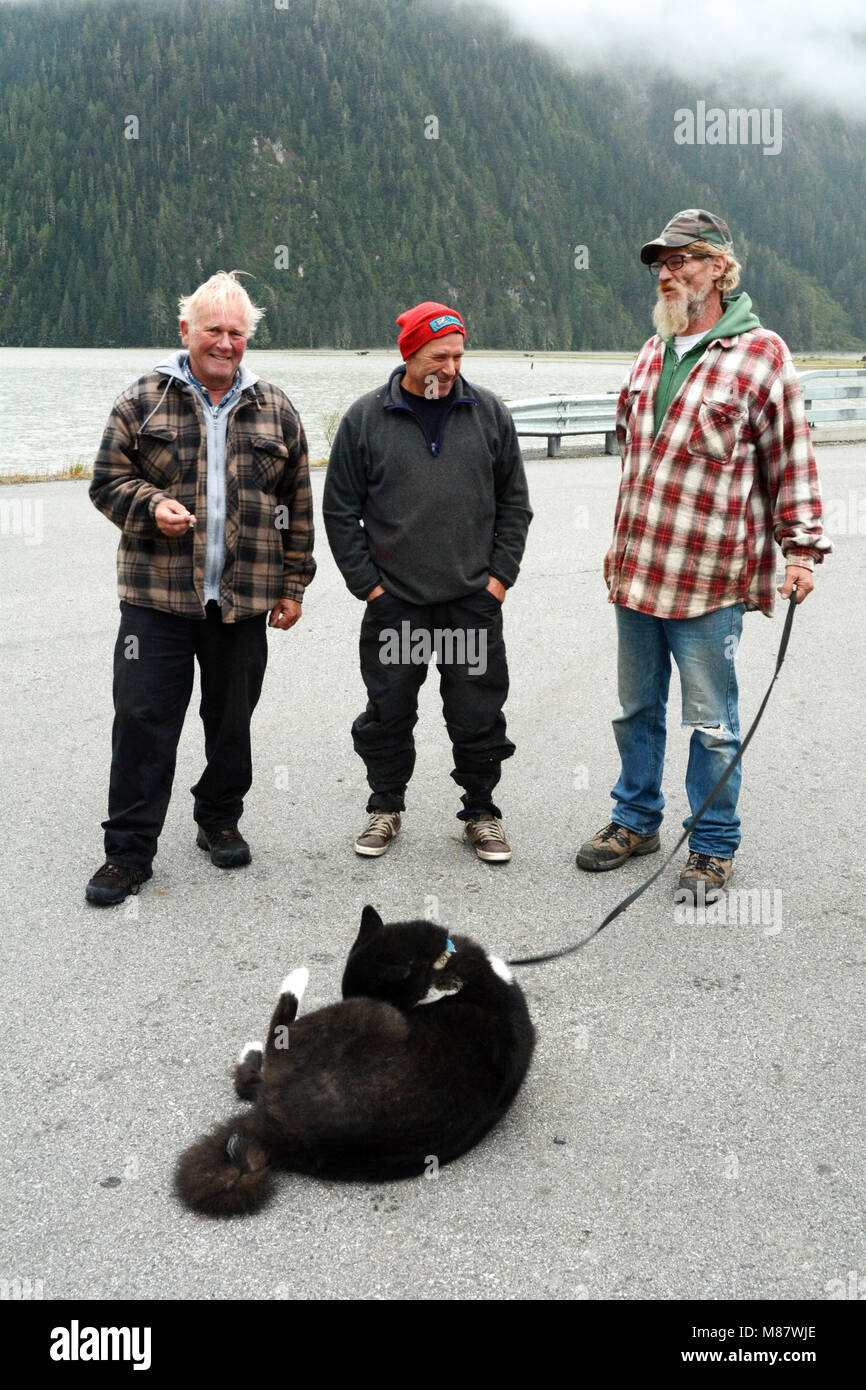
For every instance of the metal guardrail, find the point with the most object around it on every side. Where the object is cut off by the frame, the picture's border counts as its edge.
(555, 416)
(830, 388)
(831, 396)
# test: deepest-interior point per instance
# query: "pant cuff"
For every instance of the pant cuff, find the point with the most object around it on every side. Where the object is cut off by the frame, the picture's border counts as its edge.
(385, 801)
(727, 853)
(478, 806)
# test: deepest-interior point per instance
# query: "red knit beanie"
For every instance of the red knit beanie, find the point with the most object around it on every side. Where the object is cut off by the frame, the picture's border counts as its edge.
(426, 321)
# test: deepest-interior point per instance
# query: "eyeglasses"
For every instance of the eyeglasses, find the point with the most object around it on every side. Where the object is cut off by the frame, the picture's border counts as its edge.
(677, 262)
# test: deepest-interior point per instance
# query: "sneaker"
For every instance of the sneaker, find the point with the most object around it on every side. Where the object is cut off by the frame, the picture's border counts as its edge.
(705, 876)
(114, 882)
(380, 830)
(612, 846)
(227, 847)
(487, 836)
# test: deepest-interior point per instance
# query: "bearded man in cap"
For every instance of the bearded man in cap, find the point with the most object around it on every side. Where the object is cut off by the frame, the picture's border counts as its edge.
(426, 509)
(717, 465)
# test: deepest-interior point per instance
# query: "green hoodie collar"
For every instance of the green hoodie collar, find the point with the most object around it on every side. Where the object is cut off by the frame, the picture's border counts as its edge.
(738, 317)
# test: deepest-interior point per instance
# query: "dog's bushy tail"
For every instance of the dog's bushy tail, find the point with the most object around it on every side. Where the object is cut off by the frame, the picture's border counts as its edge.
(226, 1173)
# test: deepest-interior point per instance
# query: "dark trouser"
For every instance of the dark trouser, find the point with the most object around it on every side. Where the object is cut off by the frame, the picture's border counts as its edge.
(465, 635)
(153, 679)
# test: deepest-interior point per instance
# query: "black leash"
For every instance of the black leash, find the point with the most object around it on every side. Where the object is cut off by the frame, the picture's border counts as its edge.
(627, 902)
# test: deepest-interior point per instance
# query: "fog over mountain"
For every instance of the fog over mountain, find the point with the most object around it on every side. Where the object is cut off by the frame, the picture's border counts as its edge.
(761, 48)
(356, 156)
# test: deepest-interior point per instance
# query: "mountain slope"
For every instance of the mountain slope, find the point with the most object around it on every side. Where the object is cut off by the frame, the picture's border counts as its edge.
(293, 143)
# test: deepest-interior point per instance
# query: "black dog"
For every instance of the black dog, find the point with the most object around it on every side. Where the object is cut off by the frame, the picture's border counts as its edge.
(425, 1053)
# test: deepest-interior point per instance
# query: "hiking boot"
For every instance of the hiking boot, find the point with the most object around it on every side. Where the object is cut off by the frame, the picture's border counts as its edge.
(612, 846)
(486, 834)
(381, 828)
(705, 876)
(227, 847)
(114, 882)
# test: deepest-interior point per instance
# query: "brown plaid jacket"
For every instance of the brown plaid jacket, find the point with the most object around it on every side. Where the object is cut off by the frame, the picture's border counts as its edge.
(155, 446)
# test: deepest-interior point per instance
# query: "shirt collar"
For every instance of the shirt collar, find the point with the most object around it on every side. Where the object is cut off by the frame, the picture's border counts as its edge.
(183, 363)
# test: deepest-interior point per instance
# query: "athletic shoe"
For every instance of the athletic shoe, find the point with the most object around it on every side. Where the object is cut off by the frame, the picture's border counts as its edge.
(486, 834)
(381, 828)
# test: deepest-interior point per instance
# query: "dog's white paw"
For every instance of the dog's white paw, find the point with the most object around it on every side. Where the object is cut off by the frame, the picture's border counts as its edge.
(296, 982)
(248, 1048)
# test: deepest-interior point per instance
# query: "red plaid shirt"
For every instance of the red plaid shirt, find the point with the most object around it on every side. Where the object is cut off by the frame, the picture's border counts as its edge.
(731, 469)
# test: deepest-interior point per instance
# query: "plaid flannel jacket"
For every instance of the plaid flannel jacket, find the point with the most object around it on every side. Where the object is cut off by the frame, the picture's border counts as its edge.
(155, 446)
(732, 467)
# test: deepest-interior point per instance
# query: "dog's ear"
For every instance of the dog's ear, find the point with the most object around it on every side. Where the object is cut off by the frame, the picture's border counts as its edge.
(371, 923)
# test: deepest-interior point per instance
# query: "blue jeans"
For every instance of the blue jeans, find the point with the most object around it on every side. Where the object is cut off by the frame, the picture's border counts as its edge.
(704, 650)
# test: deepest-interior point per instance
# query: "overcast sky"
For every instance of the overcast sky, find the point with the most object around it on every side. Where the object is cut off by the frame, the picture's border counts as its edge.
(816, 48)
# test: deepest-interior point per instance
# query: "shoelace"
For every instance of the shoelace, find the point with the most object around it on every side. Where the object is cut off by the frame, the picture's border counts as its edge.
(700, 861)
(380, 823)
(611, 832)
(491, 830)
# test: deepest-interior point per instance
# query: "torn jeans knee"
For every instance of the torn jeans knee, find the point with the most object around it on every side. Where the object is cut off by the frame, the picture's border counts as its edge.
(715, 733)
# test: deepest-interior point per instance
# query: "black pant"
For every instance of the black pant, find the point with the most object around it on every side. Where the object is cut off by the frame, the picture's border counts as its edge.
(472, 703)
(153, 679)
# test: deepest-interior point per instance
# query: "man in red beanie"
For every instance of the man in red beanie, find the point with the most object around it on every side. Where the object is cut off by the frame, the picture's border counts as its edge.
(426, 509)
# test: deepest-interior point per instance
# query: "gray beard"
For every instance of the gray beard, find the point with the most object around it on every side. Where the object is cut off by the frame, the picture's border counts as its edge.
(673, 313)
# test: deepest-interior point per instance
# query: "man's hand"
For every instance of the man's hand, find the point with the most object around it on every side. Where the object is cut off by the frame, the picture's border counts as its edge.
(374, 593)
(796, 574)
(284, 614)
(608, 566)
(496, 589)
(172, 517)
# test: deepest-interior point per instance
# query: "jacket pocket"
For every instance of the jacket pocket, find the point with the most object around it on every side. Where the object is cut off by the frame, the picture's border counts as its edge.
(714, 433)
(268, 461)
(157, 455)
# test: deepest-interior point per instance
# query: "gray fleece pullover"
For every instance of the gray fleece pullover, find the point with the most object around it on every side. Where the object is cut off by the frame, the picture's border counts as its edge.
(431, 520)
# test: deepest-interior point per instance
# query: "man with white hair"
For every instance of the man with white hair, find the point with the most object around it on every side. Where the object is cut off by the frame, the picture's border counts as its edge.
(717, 463)
(203, 467)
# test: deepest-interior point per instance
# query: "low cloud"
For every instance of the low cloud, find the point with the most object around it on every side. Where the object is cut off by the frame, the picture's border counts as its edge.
(811, 50)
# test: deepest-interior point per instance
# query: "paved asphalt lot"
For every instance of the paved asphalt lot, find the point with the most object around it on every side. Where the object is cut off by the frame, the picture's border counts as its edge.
(704, 1078)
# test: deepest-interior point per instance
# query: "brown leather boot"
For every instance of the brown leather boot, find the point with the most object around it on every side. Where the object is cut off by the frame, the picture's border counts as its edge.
(705, 876)
(612, 846)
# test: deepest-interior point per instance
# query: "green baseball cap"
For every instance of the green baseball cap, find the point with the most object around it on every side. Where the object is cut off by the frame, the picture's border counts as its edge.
(694, 224)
